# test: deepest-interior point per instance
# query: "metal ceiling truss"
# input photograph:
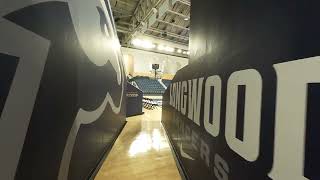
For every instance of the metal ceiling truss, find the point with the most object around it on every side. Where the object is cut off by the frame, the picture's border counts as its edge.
(124, 3)
(172, 24)
(184, 2)
(121, 11)
(128, 31)
(178, 14)
(165, 39)
(186, 38)
(149, 12)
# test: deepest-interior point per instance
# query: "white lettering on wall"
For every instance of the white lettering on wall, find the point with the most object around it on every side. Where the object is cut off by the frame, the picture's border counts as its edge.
(249, 147)
(184, 97)
(290, 127)
(214, 127)
(195, 94)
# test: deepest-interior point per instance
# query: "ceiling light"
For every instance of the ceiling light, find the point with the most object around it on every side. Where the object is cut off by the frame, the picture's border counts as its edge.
(165, 48)
(186, 19)
(143, 44)
(136, 42)
(169, 49)
(188, 52)
(179, 51)
(147, 45)
(161, 47)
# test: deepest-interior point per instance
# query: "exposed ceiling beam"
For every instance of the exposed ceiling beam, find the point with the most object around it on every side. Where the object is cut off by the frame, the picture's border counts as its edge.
(172, 24)
(121, 11)
(125, 23)
(123, 16)
(188, 3)
(123, 29)
(125, 3)
(169, 34)
(142, 12)
(127, 31)
(139, 21)
(137, 7)
(157, 37)
(179, 14)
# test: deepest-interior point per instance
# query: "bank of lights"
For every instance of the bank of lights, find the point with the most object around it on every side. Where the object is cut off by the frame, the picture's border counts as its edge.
(186, 52)
(143, 44)
(149, 45)
(165, 48)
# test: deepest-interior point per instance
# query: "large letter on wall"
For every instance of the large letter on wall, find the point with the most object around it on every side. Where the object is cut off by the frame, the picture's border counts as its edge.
(178, 94)
(195, 100)
(290, 130)
(173, 94)
(249, 147)
(184, 88)
(214, 127)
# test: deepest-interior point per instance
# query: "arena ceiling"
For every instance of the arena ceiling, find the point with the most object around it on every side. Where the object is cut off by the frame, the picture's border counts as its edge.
(166, 20)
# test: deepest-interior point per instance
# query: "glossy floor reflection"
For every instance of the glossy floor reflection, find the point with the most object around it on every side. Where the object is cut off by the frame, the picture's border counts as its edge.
(141, 152)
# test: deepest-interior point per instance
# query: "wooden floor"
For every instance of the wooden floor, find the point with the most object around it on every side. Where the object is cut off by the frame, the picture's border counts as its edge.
(141, 152)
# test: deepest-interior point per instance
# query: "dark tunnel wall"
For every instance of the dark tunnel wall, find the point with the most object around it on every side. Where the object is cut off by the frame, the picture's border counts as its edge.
(62, 88)
(247, 105)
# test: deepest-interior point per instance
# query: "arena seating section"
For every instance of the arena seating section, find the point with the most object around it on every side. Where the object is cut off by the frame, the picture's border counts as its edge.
(166, 82)
(150, 103)
(148, 85)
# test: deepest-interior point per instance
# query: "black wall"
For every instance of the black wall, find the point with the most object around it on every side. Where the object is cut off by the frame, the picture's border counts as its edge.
(255, 73)
(134, 100)
(62, 88)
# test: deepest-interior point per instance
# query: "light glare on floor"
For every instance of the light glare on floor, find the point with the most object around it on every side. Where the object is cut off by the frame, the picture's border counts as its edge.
(145, 142)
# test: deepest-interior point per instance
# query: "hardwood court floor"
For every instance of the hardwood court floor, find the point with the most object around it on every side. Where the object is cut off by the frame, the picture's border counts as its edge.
(141, 152)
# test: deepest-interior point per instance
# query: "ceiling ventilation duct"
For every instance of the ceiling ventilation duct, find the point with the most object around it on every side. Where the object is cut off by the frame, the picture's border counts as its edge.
(163, 8)
(153, 17)
(173, 2)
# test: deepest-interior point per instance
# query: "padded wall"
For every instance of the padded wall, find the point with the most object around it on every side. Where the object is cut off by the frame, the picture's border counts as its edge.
(134, 100)
(247, 105)
(62, 88)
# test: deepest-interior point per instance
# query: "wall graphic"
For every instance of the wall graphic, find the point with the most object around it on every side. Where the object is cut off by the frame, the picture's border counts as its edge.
(62, 100)
(247, 107)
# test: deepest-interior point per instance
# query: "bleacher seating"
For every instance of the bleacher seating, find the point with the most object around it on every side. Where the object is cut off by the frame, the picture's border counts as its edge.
(149, 86)
(150, 103)
(166, 82)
